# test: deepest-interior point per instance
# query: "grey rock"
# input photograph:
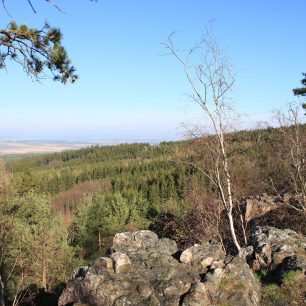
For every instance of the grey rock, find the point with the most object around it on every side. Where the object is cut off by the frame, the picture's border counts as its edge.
(261, 204)
(106, 263)
(142, 270)
(145, 240)
(284, 248)
(197, 296)
(122, 262)
(202, 257)
(238, 285)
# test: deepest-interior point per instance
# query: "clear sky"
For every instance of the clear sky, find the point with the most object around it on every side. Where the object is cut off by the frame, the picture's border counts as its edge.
(127, 88)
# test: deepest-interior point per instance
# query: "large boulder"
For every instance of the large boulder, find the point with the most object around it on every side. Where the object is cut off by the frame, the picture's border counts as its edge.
(282, 256)
(260, 205)
(198, 295)
(142, 240)
(233, 284)
(206, 260)
(203, 256)
(285, 249)
(142, 270)
(145, 270)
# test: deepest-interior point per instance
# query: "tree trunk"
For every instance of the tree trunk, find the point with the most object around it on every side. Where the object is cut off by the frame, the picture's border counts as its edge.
(232, 229)
(229, 190)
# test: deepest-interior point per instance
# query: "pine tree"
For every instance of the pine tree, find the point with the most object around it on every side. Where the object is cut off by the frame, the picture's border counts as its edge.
(302, 90)
(36, 50)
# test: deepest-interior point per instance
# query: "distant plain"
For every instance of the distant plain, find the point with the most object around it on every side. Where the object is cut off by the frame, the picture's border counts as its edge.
(22, 148)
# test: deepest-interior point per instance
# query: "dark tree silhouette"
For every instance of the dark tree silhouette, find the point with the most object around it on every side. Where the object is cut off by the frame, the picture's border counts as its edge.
(37, 50)
(301, 91)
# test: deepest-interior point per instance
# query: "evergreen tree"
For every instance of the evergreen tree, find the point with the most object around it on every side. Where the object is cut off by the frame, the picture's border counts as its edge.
(35, 249)
(36, 50)
(302, 90)
(99, 218)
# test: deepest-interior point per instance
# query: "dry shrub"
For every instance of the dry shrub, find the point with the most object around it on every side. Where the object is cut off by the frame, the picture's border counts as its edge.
(206, 221)
(203, 219)
(284, 217)
(224, 231)
(167, 225)
(200, 223)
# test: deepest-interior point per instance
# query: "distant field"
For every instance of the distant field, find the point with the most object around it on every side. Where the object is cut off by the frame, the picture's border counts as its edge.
(22, 148)
(38, 147)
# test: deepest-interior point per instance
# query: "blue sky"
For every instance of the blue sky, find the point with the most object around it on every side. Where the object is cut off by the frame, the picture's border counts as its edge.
(128, 89)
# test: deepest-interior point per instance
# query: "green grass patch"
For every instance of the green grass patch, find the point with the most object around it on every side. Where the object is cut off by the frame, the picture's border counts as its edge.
(291, 277)
(271, 294)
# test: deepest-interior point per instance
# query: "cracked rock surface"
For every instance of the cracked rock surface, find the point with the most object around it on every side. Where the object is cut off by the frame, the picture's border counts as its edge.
(145, 270)
(285, 249)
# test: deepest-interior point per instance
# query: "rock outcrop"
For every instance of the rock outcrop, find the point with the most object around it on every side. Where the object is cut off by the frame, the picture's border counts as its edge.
(259, 205)
(285, 249)
(145, 270)
(238, 285)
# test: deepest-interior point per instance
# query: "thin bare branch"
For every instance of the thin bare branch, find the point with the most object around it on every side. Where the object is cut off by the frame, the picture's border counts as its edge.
(32, 7)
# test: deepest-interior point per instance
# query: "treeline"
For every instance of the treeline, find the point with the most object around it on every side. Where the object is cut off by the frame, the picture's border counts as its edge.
(92, 154)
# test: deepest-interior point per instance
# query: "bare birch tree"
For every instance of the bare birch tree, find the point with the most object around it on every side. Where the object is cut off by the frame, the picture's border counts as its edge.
(211, 80)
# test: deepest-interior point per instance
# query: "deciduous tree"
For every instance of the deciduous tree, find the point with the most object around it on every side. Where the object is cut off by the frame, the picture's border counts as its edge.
(211, 81)
(294, 150)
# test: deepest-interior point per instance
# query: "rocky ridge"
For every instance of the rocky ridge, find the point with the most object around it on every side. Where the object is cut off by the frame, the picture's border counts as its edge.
(142, 269)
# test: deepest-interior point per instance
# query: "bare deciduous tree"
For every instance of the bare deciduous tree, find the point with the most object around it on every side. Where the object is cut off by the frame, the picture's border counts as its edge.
(294, 143)
(211, 81)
